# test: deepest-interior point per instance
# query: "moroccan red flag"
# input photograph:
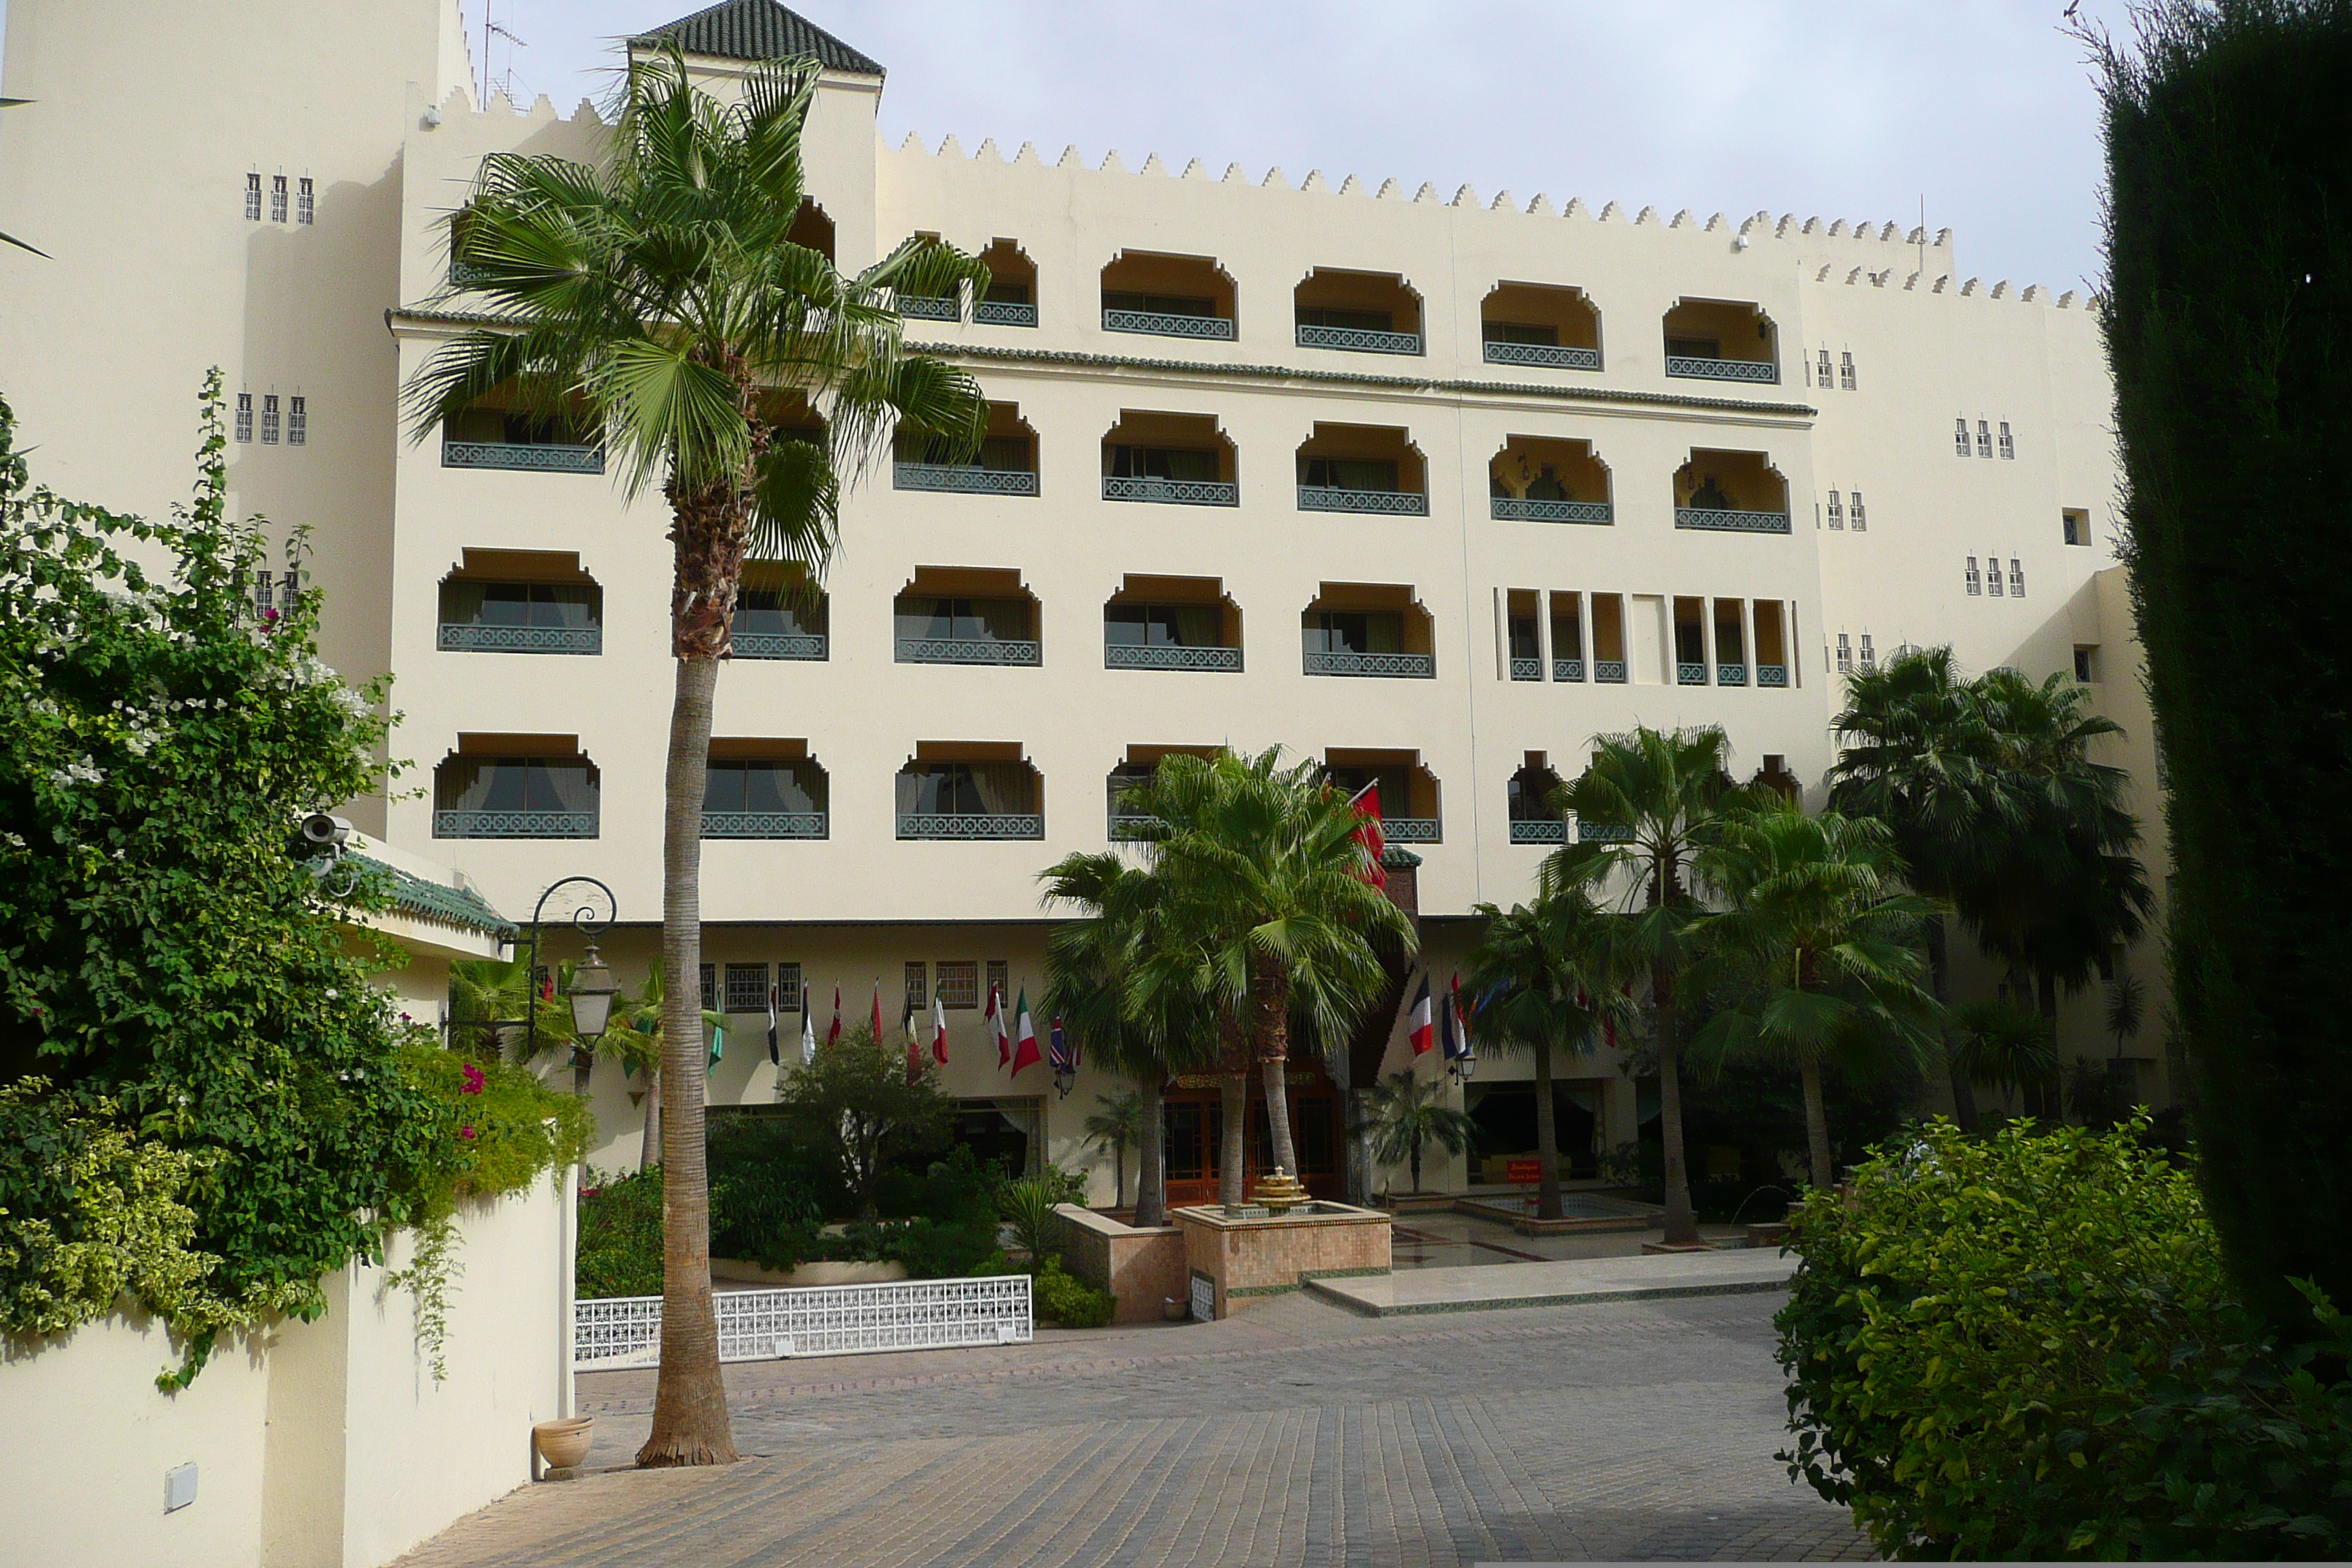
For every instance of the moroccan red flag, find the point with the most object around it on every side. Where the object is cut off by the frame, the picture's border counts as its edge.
(1423, 1028)
(833, 1036)
(1367, 801)
(878, 1012)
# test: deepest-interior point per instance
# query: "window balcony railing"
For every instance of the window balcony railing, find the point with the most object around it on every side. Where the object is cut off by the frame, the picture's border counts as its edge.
(1409, 666)
(1568, 669)
(1126, 828)
(1689, 674)
(529, 457)
(931, 308)
(1133, 655)
(1541, 830)
(1602, 833)
(465, 636)
(1551, 356)
(1003, 313)
(1609, 671)
(763, 825)
(1700, 369)
(1386, 503)
(969, 650)
(959, 478)
(782, 645)
(1410, 829)
(1526, 669)
(1359, 340)
(1160, 324)
(1511, 508)
(1731, 675)
(1772, 675)
(971, 825)
(1172, 492)
(514, 824)
(1723, 522)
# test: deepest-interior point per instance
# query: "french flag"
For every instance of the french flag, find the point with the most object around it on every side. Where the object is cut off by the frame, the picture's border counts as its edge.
(1422, 1031)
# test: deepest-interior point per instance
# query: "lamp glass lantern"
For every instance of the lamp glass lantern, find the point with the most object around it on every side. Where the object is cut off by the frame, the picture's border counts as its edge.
(592, 992)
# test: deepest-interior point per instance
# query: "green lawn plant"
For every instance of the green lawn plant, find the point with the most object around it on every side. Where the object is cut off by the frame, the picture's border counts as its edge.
(2026, 1346)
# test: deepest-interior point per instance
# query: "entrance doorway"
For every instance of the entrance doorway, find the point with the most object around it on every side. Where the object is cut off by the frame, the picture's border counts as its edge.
(1194, 1115)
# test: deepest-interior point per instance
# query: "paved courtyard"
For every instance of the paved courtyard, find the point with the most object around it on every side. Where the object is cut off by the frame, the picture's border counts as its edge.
(1294, 1434)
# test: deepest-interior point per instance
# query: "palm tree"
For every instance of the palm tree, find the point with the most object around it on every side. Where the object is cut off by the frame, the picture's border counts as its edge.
(1658, 796)
(1547, 977)
(1404, 1114)
(1270, 902)
(1118, 1123)
(2126, 1009)
(1107, 977)
(1918, 754)
(1816, 920)
(2002, 1044)
(634, 1035)
(659, 299)
(492, 1002)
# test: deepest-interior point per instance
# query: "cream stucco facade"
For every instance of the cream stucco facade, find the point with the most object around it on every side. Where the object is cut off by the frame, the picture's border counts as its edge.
(1876, 346)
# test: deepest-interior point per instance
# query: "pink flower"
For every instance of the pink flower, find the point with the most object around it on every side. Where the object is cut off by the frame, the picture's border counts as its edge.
(466, 1131)
(474, 1080)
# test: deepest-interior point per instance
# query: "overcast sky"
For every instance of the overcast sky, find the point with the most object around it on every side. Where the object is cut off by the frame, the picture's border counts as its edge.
(1852, 111)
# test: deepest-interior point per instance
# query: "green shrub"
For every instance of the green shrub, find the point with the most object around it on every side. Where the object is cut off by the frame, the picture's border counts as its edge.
(2026, 1347)
(1063, 1299)
(620, 1246)
(1027, 1207)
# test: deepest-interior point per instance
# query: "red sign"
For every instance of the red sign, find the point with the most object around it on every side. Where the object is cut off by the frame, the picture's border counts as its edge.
(1524, 1172)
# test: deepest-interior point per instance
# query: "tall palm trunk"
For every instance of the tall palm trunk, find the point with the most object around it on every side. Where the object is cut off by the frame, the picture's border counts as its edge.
(1940, 972)
(1270, 1001)
(1817, 1123)
(1233, 1087)
(708, 533)
(649, 1152)
(1546, 1138)
(2053, 1088)
(1682, 1223)
(1151, 1155)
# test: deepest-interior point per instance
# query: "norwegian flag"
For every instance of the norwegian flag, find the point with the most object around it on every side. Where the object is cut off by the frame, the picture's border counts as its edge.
(1367, 801)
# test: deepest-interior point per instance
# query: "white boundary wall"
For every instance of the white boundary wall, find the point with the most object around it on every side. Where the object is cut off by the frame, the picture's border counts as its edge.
(326, 1445)
(617, 1331)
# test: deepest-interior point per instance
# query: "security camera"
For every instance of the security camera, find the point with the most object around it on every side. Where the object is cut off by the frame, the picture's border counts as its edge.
(320, 831)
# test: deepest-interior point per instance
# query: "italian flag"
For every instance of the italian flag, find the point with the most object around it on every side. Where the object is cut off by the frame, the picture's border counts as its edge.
(996, 1029)
(1024, 1048)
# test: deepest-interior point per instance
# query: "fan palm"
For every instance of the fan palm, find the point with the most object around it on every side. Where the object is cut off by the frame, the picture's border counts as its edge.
(1109, 979)
(2003, 1043)
(1816, 918)
(1404, 1114)
(1658, 796)
(659, 298)
(1547, 976)
(1270, 904)
(634, 1035)
(1118, 1123)
(492, 1003)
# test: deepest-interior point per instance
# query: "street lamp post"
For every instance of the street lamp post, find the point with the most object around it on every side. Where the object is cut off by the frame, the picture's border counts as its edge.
(593, 987)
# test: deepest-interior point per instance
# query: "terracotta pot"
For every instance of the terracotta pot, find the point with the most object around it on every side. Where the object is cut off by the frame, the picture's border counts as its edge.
(1173, 1310)
(564, 1444)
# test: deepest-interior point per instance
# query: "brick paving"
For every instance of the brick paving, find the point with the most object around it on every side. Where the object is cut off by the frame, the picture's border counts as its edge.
(1294, 1434)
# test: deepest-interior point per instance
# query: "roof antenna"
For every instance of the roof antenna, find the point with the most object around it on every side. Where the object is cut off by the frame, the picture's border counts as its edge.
(489, 28)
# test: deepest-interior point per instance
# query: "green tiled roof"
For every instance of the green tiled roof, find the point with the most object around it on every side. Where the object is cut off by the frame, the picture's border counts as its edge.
(414, 895)
(1395, 857)
(760, 30)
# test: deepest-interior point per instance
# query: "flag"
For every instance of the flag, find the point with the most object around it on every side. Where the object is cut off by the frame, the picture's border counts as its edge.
(718, 1042)
(1061, 1052)
(878, 1009)
(938, 1031)
(833, 1036)
(808, 1031)
(1464, 1012)
(776, 1050)
(914, 1048)
(995, 1020)
(1420, 1031)
(1024, 1049)
(1449, 1027)
(1367, 801)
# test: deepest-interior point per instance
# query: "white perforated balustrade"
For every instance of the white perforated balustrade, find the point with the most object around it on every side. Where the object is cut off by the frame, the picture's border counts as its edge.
(824, 1320)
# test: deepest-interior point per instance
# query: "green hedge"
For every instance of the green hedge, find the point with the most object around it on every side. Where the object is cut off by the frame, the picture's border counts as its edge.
(2027, 1347)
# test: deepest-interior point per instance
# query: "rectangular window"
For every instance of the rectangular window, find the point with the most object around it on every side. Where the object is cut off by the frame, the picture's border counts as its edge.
(2016, 578)
(2008, 443)
(959, 983)
(2087, 662)
(1349, 473)
(917, 987)
(253, 198)
(298, 421)
(710, 988)
(306, 202)
(1822, 376)
(1000, 977)
(1162, 463)
(1837, 512)
(788, 988)
(1992, 575)
(747, 988)
(1960, 437)
(1845, 655)
(1984, 439)
(1976, 581)
(1163, 625)
(1869, 658)
(278, 198)
(1845, 372)
(2077, 525)
(1854, 502)
(245, 416)
(269, 419)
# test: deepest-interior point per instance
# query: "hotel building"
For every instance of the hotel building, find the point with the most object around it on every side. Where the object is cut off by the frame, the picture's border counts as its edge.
(1432, 486)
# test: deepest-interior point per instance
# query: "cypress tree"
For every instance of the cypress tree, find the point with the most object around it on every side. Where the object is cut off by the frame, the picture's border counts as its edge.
(2229, 322)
